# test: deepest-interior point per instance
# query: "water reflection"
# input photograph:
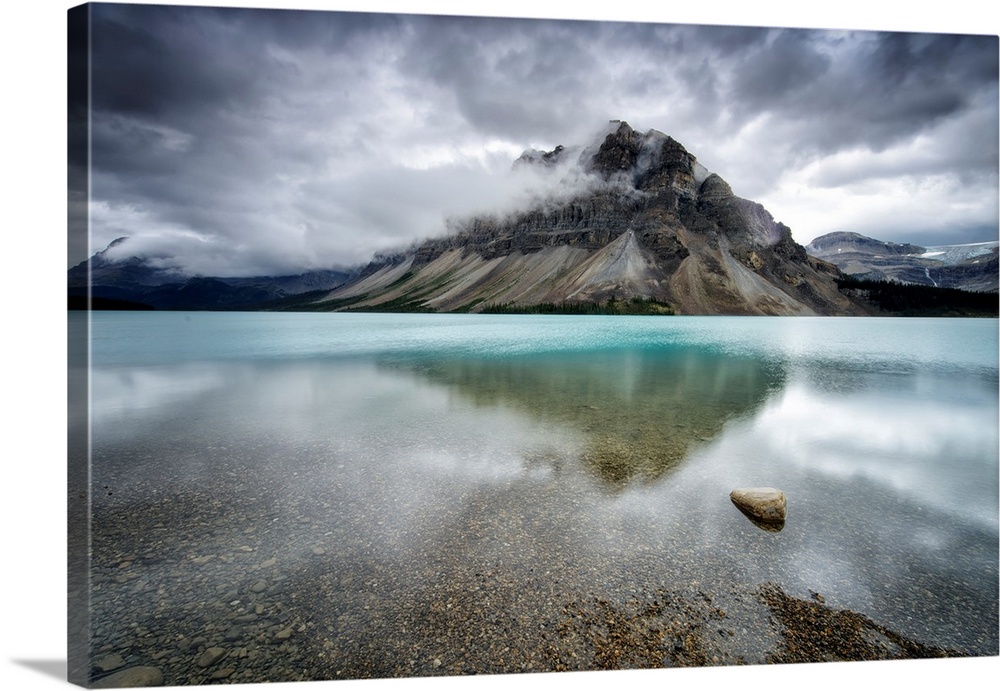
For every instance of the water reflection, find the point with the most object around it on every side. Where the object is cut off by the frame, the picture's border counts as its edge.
(484, 493)
(350, 426)
(638, 413)
(892, 500)
(932, 438)
(766, 526)
(121, 395)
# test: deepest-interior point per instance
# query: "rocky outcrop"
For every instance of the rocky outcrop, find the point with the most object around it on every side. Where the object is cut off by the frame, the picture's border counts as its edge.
(654, 224)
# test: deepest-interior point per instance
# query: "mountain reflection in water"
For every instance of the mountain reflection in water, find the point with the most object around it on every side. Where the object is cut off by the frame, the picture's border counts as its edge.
(637, 412)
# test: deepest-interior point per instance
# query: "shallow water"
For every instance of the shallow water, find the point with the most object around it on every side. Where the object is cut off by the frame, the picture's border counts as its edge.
(372, 463)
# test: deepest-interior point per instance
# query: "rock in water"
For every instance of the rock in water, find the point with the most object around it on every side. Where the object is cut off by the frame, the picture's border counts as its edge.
(763, 504)
(109, 663)
(211, 656)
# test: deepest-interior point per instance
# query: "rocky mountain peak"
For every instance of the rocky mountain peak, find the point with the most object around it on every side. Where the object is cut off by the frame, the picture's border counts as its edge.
(619, 152)
(104, 258)
(651, 223)
(543, 158)
(651, 162)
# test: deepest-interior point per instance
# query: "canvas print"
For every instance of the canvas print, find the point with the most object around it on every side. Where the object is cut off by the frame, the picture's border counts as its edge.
(414, 345)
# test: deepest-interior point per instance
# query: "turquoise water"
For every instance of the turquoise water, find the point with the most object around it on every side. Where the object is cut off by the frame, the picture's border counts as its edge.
(165, 337)
(403, 450)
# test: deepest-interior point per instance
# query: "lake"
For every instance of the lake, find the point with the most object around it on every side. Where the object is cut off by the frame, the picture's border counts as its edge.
(355, 495)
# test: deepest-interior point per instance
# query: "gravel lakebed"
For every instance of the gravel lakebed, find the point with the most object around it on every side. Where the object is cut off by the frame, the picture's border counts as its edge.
(197, 588)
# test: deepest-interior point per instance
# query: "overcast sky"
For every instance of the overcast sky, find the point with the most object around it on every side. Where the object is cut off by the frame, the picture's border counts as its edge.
(241, 141)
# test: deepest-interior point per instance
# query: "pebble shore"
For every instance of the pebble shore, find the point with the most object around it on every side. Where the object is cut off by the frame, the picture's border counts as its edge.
(255, 611)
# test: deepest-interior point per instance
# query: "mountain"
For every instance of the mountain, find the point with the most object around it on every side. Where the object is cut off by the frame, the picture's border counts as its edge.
(133, 282)
(650, 226)
(103, 269)
(635, 224)
(971, 267)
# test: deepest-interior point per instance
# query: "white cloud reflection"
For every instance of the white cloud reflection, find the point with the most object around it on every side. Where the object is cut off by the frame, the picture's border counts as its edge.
(123, 395)
(909, 445)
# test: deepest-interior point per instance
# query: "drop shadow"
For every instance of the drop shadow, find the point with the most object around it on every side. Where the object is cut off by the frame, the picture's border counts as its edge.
(50, 668)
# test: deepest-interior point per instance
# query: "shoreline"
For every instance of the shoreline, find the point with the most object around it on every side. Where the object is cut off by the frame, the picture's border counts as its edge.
(272, 630)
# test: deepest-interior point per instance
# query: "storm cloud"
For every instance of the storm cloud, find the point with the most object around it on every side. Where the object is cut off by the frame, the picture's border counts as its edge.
(239, 141)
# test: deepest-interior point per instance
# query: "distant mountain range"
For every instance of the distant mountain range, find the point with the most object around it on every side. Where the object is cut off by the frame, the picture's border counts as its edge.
(967, 267)
(650, 230)
(134, 282)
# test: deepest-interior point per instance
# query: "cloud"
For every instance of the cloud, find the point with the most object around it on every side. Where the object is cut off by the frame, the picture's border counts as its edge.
(779, 70)
(246, 140)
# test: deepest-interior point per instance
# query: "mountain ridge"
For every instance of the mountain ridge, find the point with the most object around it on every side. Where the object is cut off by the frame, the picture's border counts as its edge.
(631, 219)
(971, 267)
(689, 242)
(135, 280)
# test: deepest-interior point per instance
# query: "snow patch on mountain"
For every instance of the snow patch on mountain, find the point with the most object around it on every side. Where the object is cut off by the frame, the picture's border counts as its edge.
(959, 254)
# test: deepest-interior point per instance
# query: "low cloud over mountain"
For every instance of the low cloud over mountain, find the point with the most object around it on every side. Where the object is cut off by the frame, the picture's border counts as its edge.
(653, 225)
